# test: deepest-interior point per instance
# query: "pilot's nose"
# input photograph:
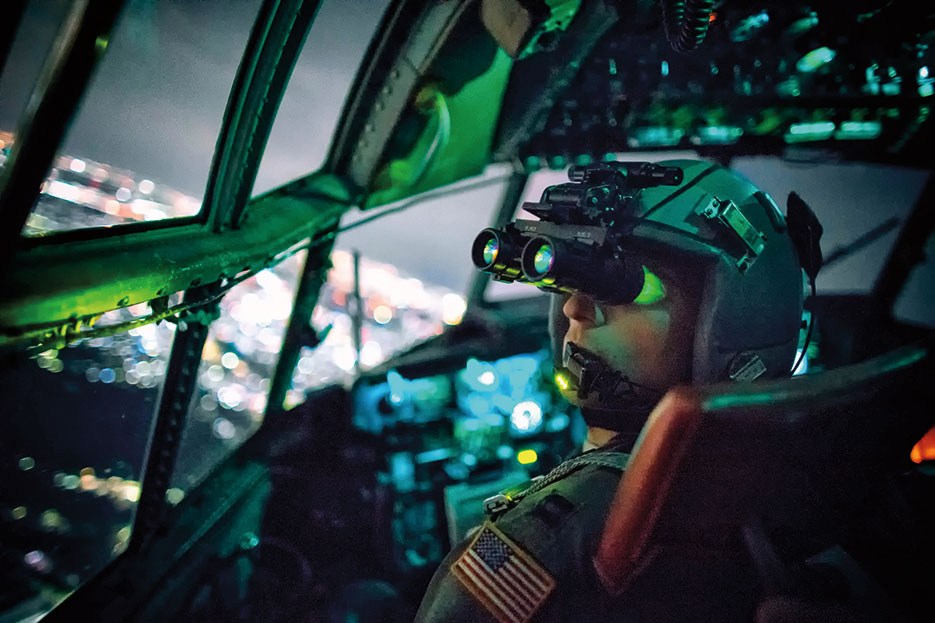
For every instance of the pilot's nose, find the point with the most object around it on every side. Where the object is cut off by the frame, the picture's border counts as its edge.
(582, 308)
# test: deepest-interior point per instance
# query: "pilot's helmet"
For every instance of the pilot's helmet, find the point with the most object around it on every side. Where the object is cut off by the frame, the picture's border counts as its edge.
(717, 231)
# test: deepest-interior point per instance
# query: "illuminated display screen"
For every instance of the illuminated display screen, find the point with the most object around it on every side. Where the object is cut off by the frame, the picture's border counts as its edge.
(493, 407)
(469, 432)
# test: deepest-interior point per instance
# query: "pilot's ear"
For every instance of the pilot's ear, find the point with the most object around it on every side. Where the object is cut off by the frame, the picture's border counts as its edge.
(558, 327)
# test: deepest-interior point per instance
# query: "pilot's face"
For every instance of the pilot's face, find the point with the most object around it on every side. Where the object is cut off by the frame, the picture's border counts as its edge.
(649, 343)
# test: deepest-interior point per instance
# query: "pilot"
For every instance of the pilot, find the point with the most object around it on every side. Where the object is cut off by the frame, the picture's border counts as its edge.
(720, 300)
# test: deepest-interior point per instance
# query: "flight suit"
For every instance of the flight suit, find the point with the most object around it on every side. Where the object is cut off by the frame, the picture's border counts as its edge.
(551, 534)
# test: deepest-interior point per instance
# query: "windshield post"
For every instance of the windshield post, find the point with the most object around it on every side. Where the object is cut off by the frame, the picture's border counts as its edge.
(274, 46)
(169, 423)
(299, 332)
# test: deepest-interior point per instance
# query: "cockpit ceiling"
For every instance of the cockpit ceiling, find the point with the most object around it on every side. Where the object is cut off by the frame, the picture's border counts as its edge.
(856, 80)
(444, 90)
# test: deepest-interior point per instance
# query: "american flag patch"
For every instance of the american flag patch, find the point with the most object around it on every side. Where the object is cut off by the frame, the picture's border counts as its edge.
(502, 576)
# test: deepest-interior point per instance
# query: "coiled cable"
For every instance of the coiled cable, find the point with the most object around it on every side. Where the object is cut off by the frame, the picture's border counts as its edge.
(686, 22)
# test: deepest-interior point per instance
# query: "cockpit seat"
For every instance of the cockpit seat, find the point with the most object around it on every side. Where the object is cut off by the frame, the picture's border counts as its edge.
(738, 501)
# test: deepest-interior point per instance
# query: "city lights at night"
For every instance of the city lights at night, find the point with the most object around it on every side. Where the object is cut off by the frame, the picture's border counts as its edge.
(238, 360)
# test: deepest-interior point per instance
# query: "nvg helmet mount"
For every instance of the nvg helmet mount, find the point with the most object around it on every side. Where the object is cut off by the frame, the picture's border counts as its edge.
(577, 245)
(705, 224)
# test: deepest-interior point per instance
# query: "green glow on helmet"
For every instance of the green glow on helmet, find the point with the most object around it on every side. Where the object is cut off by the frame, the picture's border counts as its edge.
(653, 291)
(542, 261)
(490, 251)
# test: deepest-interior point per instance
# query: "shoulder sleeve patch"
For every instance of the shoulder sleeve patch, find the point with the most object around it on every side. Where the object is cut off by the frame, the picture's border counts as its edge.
(502, 576)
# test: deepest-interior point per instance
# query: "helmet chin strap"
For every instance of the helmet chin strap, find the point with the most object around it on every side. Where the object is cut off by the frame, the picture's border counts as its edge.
(622, 405)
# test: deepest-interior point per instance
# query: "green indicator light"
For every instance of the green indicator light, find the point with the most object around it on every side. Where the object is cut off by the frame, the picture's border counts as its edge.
(542, 261)
(490, 251)
(655, 136)
(653, 290)
(815, 131)
(561, 381)
(717, 135)
(821, 127)
(852, 130)
(815, 59)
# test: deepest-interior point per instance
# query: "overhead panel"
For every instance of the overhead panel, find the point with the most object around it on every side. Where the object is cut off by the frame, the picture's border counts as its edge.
(775, 78)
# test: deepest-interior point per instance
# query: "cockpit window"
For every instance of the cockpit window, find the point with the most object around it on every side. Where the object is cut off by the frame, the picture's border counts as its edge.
(862, 208)
(33, 39)
(914, 304)
(312, 104)
(73, 452)
(414, 270)
(141, 143)
(398, 311)
(236, 370)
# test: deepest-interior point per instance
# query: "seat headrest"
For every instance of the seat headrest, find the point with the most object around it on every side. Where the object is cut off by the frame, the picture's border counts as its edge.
(719, 457)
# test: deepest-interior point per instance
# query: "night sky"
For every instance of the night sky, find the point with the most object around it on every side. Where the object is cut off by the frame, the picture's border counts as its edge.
(157, 101)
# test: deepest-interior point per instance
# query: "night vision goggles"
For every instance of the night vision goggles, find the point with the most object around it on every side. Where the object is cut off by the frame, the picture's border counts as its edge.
(577, 245)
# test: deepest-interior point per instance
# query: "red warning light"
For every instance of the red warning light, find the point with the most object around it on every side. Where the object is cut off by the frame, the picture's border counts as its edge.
(924, 450)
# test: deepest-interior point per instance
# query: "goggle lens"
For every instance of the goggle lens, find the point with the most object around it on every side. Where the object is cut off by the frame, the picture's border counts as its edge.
(542, 261)
(491, 249)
